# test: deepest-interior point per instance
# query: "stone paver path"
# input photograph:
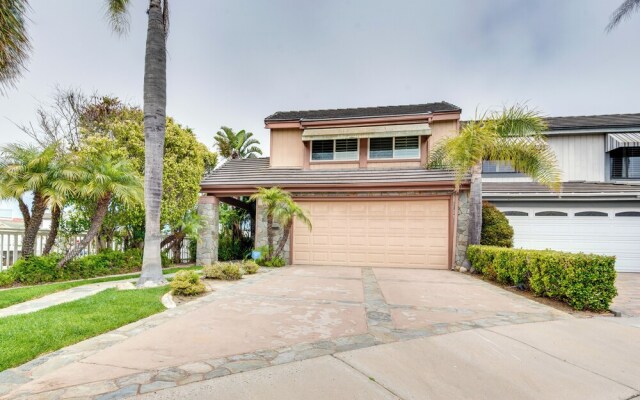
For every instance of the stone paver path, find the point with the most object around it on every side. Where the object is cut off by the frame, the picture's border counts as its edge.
(288, 315)
(627, 303)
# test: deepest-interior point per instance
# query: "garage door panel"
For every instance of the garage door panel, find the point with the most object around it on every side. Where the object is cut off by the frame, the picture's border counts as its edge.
(412, 233)
(610, 235)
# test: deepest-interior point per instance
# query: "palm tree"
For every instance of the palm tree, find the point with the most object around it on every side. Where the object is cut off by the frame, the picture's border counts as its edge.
(14, 48)
(623, 12)
(104, 178)
(47, 175)
(155, 104)
(514, 135)
(14, 41)
(281, 208)
(236, 145)
(187, 228)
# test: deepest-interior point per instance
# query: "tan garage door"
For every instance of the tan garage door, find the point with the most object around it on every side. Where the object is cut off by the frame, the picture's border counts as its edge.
(402, 233)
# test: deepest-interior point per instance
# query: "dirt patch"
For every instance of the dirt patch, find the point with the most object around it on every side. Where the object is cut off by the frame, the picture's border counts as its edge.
(557, 304)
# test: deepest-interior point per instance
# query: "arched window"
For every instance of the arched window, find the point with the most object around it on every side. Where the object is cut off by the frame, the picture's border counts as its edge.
(628, 214)
(591, 214)
(516, 213)
(551, 214)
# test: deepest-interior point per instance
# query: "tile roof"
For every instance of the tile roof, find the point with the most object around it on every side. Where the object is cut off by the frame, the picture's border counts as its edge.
(255, 172)
(593, 121)
(569, 189)
(363, 112)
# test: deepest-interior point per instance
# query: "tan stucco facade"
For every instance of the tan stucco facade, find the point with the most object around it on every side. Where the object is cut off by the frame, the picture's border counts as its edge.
(287, 148)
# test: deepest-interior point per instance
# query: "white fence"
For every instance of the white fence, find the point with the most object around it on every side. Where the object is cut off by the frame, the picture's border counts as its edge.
(11, 247)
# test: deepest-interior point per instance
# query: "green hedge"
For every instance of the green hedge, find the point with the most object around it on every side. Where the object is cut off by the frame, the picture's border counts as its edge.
(43, 269)
(496, 230)
(584, 281)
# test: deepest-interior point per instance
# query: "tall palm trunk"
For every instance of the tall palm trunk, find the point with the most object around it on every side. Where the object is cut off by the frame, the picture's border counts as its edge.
(270, 235)
(155, 101)
(283, 239)
(102, 207)
(53, 230)
(475, 205)
(38, 209)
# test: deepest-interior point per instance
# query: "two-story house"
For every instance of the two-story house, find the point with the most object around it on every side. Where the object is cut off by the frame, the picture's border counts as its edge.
(360, 175)
(598, 208)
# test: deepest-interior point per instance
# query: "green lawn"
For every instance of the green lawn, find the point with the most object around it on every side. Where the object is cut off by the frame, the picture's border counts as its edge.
(10, 297)
(25, 337)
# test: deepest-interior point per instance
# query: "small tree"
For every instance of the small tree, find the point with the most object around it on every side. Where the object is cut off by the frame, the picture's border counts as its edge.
(280, 207)
(496, 230)
(104, 179)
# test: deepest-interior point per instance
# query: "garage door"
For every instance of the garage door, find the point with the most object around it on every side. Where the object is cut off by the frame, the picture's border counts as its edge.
(411, 234)
(598, 230)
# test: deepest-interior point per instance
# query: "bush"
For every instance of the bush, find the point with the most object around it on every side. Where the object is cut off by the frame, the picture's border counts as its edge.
(233, 249)
(250, 267)
(584, 281)
(187, 283)
(43, 269)
(225, 271)
(496, 230)
(275, 262)
(5, 279)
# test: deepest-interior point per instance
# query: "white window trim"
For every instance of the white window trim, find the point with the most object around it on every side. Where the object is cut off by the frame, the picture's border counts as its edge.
(393, 149)
(333, 160)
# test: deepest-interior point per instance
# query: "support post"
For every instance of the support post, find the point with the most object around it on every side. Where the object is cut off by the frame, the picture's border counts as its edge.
(207, 246)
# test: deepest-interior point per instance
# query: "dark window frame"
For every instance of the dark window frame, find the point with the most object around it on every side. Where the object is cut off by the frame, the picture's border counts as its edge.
(395, 147)
(347, 144)
(622, 165)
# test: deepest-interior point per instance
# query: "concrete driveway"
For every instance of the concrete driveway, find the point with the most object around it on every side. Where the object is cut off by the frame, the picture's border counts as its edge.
(347, 333)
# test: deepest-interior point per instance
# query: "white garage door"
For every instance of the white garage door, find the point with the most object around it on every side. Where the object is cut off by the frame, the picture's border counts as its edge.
(597, 230)
(401, 233)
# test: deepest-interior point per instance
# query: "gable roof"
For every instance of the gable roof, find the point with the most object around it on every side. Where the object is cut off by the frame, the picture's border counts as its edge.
(363, 112)
(250, 173)
(594, 121)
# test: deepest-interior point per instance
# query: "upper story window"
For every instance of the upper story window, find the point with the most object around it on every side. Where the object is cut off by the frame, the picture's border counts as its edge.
(394, 147)
(625, 163)
(334, 150)
(497, 167)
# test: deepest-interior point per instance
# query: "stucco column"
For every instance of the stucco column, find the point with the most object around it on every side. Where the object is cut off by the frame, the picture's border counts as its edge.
(207, 247)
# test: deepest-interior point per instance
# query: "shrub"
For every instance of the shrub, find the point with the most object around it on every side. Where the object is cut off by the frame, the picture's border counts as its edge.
(584, 281)
(275, 262)
(5, 279)
(187, 283)
(43, 269)
(225, 271)
(250, 267)
(496, 230)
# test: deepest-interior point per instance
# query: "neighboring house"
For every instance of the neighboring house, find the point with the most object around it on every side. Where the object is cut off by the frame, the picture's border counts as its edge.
(598, 208)
(11, 232)
(359, 173)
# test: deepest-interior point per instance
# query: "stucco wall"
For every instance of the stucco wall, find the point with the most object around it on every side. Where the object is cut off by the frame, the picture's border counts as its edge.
(287, 149)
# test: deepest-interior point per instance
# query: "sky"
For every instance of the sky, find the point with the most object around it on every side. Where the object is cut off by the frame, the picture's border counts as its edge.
(234, 62)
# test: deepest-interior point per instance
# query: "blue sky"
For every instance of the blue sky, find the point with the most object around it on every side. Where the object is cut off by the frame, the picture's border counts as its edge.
(233, 62)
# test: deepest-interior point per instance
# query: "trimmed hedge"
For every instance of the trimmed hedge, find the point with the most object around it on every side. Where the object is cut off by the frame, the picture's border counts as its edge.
(44, 269)
(584, 281)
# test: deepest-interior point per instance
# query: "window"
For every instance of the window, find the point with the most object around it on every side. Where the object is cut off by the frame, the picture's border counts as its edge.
(330, 150)
(625, 163)
(516, 213)
(497, 167)
(394, 147)
(591, 214)
(628, 214)
(551, 214)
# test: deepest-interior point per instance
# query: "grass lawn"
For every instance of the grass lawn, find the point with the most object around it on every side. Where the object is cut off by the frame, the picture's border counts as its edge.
(25, 337)
(10, 297)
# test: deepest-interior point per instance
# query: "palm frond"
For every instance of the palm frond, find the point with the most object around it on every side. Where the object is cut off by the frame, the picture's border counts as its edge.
(15, 44)
(624, 11)
(118, 15)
